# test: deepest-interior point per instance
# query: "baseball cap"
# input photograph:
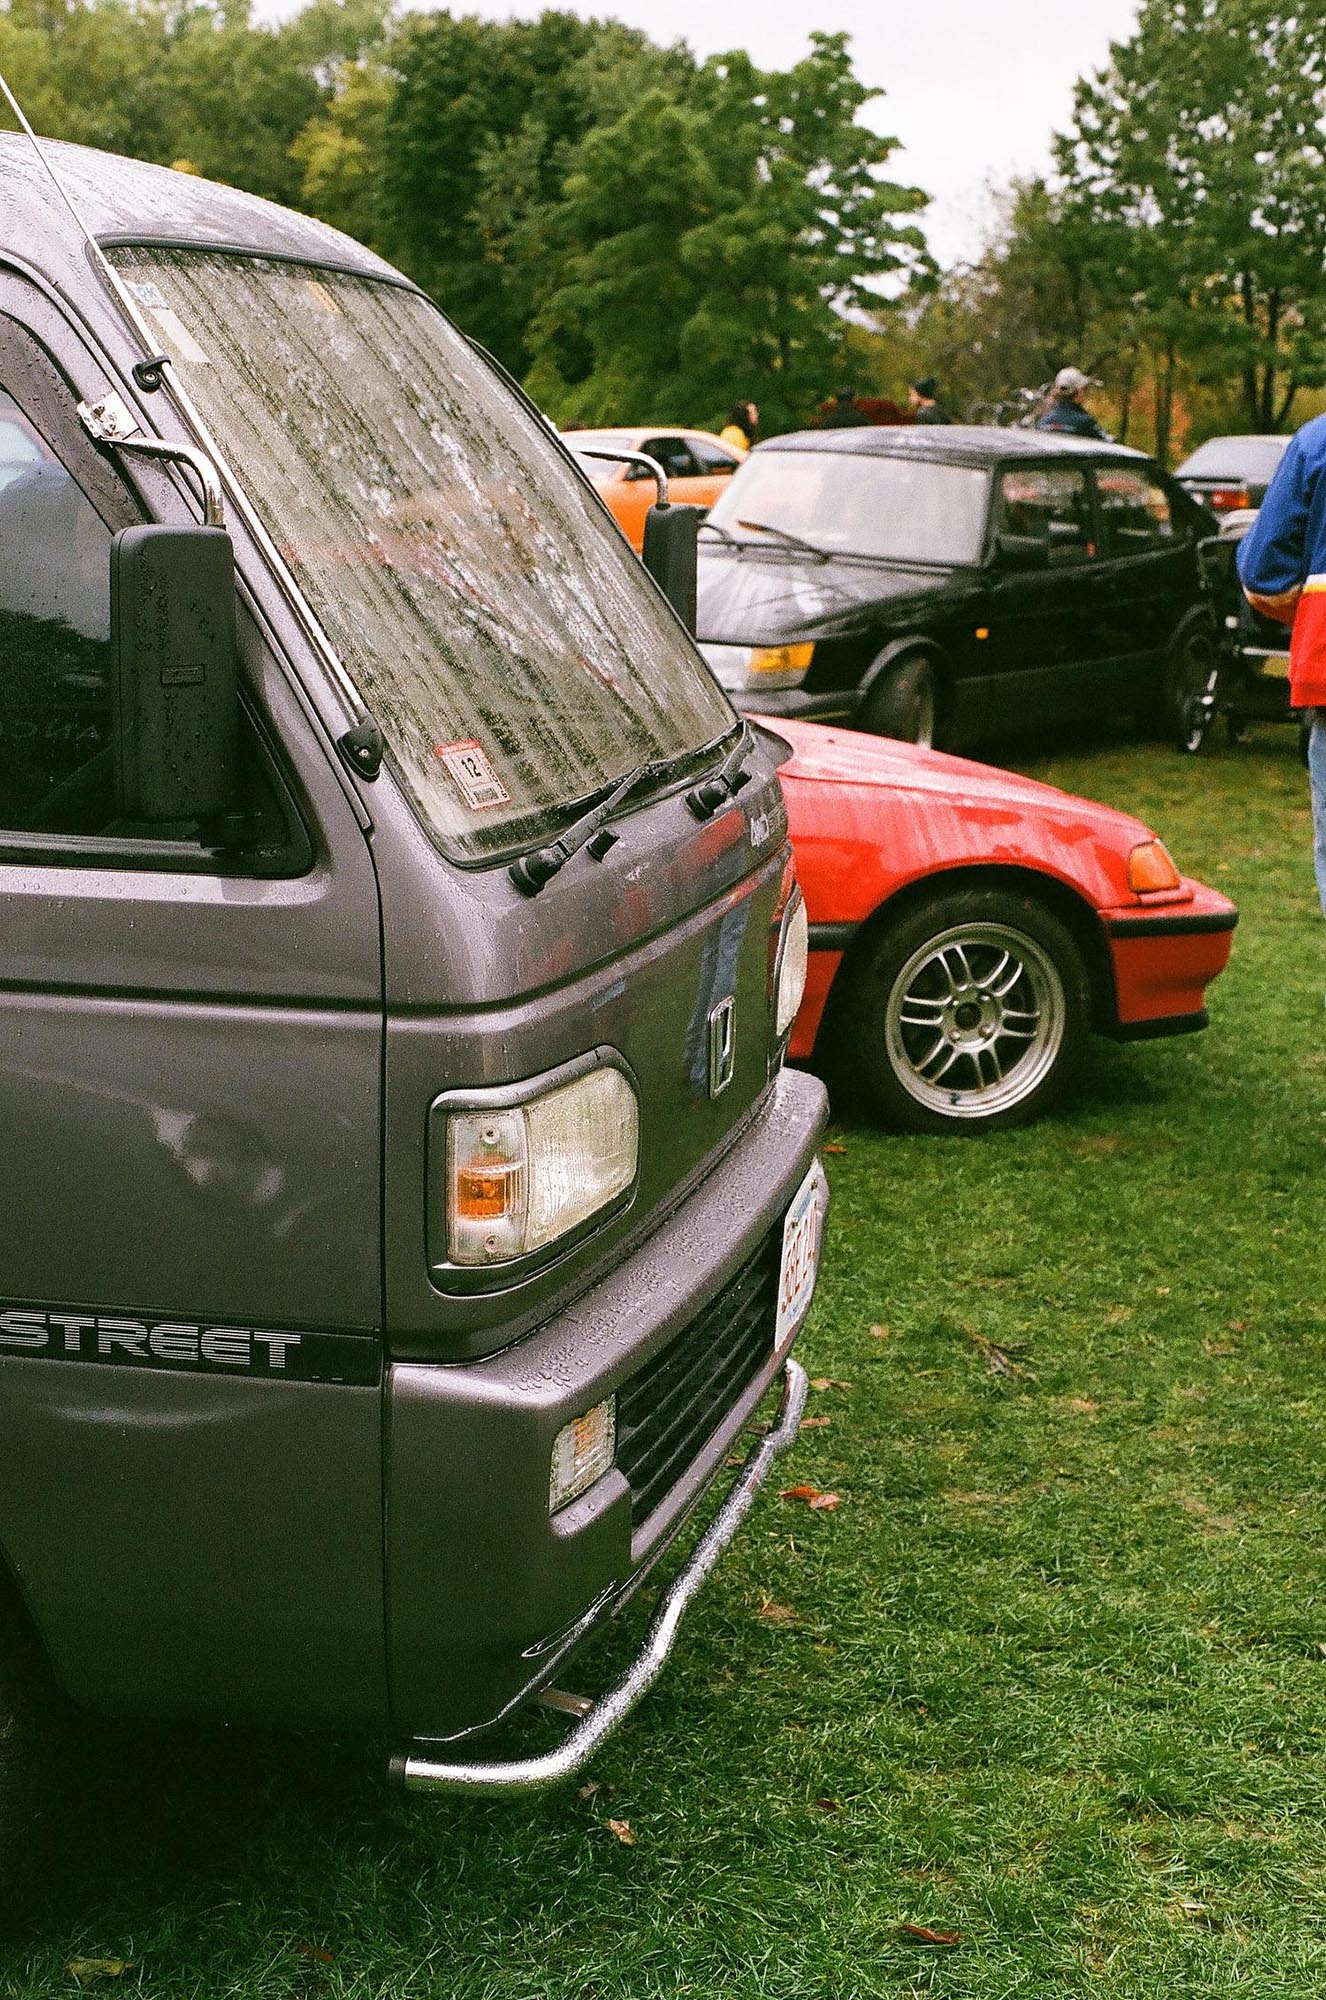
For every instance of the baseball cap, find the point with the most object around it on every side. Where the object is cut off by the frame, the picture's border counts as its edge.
(1073, 379)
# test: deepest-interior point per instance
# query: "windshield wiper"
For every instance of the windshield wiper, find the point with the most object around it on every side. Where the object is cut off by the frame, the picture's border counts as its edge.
(591, 830)
(724, 784)
(786, 535)
(717, 528)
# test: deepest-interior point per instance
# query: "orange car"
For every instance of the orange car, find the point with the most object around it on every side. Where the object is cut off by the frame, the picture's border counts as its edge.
(698, 466)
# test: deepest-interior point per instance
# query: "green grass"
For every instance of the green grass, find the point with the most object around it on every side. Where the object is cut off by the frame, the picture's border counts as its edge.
(1054, 1676)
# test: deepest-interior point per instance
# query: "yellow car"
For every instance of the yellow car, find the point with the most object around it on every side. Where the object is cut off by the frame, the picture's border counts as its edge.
(697, 463)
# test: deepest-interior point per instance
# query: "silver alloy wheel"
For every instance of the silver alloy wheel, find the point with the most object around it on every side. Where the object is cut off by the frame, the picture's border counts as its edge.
(975, 1020)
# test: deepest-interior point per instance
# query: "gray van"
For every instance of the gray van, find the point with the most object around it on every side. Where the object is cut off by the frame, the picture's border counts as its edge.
(406, 1205)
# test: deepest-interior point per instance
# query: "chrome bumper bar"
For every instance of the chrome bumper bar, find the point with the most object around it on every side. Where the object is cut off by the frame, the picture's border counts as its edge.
(425, 1774)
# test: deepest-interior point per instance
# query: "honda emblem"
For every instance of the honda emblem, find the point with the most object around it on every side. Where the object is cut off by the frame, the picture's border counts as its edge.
(722, 1045)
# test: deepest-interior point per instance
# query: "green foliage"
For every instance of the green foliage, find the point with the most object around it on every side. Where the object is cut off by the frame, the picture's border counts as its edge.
(713, 245)
(1194, 181)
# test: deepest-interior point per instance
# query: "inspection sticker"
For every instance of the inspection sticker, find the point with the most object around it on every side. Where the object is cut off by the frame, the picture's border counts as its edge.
(479, 783)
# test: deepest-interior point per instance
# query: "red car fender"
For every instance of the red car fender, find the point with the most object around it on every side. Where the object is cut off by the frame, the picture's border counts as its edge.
(871, 818)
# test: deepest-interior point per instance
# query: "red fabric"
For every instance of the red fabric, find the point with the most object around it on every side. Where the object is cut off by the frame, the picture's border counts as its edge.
(1307, 652)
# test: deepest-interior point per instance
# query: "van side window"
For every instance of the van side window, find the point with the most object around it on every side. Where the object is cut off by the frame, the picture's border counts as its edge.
(55, 774)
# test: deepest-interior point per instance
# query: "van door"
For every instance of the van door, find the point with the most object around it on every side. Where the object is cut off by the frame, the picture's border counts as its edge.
(190, 1063)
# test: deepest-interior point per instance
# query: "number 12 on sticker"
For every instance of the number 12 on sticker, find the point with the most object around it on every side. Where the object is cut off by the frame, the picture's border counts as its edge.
(473, 775)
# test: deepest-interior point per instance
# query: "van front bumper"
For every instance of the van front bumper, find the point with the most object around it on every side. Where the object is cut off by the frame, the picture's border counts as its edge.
(530, 1774)
(488, 1592)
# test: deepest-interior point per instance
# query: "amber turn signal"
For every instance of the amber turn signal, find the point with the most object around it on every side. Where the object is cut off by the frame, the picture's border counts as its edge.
(1150, 868)
(779, 659)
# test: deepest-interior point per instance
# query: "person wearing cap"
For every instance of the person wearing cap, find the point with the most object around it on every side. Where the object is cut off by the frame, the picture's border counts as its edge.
(1067, 412)
(926, 409)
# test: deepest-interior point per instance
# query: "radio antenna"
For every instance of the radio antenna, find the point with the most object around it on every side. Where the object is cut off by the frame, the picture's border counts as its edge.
(112, 276)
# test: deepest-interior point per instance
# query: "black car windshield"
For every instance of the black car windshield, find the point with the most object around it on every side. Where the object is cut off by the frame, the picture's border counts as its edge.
(1235, 458)
(490, 617)
(903, 509)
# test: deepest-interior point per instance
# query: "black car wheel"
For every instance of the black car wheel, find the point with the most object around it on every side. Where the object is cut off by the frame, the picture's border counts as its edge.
(968, 1014)
(1189, 679)
(903, 702)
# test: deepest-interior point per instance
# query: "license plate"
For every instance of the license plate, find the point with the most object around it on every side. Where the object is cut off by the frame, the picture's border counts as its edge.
(803, 1229)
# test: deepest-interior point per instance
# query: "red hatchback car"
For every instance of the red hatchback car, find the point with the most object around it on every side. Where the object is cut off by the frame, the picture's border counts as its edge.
(969, 929)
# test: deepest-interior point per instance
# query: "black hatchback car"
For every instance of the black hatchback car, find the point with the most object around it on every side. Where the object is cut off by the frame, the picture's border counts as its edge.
(951, 585)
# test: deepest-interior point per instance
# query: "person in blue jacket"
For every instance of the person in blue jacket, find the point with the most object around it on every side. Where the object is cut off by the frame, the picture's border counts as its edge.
(1282, 567)
(1067, 412)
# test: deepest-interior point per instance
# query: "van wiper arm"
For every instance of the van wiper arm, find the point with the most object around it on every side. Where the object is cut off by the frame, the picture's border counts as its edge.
(715, 791)
(786, 535)
(539, 866)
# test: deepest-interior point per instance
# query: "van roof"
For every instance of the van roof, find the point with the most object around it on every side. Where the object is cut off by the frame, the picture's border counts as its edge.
(125, 200)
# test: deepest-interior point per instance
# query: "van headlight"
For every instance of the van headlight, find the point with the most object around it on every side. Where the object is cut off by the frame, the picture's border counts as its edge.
(793, 957)
(523, 1170)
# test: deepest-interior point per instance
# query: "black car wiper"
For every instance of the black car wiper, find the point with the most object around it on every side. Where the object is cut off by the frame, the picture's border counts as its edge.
(724, 783)
(786, 535)
(717, 528)
(534, 869)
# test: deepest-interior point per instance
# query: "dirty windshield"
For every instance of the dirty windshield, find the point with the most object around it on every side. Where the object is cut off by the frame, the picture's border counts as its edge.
(497, 627)
(900, 509)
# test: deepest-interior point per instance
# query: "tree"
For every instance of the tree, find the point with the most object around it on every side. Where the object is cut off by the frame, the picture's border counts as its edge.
(714, 247)
(1195, 175)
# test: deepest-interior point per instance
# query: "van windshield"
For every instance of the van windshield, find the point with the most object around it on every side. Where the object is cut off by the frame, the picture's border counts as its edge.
(494, 622)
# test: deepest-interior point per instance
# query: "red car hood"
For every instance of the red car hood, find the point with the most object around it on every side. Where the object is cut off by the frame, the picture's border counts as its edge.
(849, 757)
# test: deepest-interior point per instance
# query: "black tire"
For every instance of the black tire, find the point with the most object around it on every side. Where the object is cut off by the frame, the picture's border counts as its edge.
(1188, 668)
(904, 702)
(904, 993)
(1236, 726)
(28, 1728)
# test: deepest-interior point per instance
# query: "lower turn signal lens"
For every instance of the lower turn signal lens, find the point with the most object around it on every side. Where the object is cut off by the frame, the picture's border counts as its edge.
(1150, 869)
(582, 1452)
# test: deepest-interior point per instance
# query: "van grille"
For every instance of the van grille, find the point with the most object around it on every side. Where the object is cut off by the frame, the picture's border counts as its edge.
(670, 1410)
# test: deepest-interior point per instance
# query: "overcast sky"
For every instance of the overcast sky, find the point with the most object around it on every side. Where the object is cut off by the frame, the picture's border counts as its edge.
(974, 88)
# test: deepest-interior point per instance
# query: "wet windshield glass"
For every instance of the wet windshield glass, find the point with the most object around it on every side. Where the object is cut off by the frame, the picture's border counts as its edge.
(495, 624)
(899, 509)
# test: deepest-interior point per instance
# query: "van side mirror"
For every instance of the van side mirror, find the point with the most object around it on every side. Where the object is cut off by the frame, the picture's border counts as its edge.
(174, 673)
(1022, 552)
(671, 555)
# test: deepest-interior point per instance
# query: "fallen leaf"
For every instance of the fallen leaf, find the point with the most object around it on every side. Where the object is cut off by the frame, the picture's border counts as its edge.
(999, 1361)
(816, 1423)
(880, 1332)
(588, 1789)
(87, 1971)
(1081, 1406)
(827, 1806)
(822, 1503)
(924, 1935)
(317, 1952)
(774, 1613)
(835, 1149)
(1162, 1291)
(828, 1382)
(1321, 1648)
(1118, 1314)
(622, 1829)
